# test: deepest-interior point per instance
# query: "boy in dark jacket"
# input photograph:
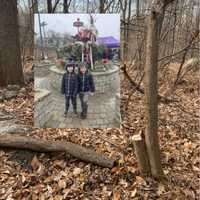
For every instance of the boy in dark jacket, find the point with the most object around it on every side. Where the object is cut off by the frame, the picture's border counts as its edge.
(70, 87)
(86, 87)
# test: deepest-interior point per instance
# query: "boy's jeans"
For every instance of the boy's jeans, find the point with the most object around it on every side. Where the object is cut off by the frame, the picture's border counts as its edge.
(67, 103)
(84, 102)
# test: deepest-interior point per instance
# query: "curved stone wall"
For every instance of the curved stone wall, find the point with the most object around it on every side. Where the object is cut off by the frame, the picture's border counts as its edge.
(42, 107)
(104, 81)
(42, 69)
(56, 75)
(117, 109)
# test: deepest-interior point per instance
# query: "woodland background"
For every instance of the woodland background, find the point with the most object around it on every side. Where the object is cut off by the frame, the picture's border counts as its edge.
(173, 69)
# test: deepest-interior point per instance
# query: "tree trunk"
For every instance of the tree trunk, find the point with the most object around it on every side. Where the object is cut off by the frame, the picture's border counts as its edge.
(137, 8)
(124, 31)
(49, 6)
(155, 20)
(31, 25)
(35, 6)
(38, 145)
(65, 6)
(151, 96)
(87, 6)
(101, 6)
(10, 56)
(55, 6)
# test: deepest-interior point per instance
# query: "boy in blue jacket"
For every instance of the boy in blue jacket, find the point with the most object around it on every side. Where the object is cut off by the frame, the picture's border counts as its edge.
(69, 87)
(86, 87)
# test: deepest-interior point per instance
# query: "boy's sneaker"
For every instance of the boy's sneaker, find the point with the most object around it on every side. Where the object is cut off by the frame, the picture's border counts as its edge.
(83, 116)
(65, 114)
(75, 113)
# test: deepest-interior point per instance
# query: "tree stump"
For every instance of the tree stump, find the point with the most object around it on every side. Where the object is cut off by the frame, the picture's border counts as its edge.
(141, 153)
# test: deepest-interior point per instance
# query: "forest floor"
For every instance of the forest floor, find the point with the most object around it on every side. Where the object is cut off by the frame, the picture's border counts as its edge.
(27, 175)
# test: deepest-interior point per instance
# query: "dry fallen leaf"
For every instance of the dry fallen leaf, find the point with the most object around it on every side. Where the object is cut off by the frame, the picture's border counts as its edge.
(123, 183)
(23, 178)
(58, 197)
(116, 196)
(34, 196)
(77, 171)
(62, 184)
(42, 197)
(59, 163)
(49, 179)
(134, 192)
(66, 192)
(40, 169)
(35, 163)
(140, 180)
(161, 189)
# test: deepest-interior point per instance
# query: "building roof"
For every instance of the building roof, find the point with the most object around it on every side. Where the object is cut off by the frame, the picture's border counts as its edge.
(109, 41)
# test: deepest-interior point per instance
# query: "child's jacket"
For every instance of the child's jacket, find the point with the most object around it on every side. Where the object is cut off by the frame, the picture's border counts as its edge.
(69, 85)
(86, 83)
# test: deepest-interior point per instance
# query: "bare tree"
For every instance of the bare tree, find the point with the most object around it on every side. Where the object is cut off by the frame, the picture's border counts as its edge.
(35, 6)
(123, 6)
(66, 5)
(151, 92)
(137, 8)
(49, 6)
(104, 5)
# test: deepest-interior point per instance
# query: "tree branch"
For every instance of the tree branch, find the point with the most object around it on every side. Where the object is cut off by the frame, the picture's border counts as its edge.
(162, 99)
(55, 5)
(180, 51)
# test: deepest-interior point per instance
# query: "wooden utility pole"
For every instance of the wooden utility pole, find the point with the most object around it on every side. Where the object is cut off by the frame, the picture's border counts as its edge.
(41, 38)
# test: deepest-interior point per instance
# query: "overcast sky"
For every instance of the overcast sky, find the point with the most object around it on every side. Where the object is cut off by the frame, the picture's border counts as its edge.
(106, 24)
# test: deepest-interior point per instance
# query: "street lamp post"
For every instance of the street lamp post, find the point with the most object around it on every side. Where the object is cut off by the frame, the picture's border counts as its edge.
(41, 39)
(78, 24)
(43, 24)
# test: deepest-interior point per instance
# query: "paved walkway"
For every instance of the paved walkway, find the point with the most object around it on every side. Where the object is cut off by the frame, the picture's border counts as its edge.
(101, 110)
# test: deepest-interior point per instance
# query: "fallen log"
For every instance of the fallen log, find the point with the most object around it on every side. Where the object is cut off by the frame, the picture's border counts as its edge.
(39, 145)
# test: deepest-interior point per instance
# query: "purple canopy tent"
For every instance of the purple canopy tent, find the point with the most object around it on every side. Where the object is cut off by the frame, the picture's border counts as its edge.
(109, 42)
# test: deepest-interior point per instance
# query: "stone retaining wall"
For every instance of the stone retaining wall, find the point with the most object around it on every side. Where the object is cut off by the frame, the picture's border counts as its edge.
(117, 109)
(42, 69)
(56, 75)
(104, 81)
(42, 107)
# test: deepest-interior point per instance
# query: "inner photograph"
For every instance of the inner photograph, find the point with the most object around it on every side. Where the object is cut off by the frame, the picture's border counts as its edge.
(76, 71)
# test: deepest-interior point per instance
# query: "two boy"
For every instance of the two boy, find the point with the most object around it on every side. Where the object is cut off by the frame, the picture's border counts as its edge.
(74, 84)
